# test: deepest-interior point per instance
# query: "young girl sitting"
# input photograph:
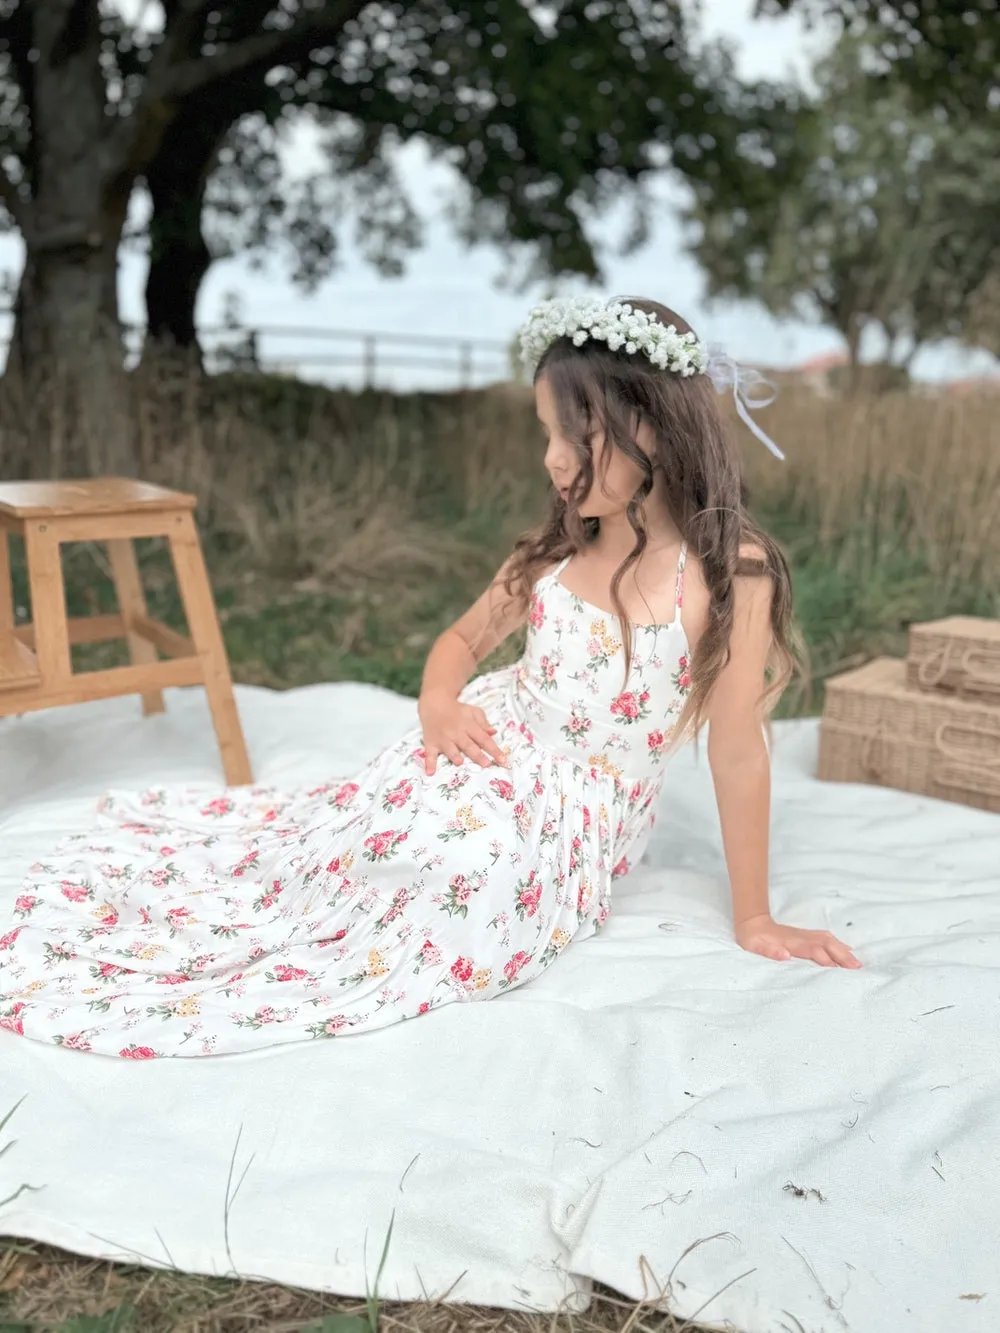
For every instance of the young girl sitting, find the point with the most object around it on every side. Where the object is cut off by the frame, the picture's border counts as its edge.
(465, 858)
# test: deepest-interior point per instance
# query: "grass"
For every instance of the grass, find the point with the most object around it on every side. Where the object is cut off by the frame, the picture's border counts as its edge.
(344, 531)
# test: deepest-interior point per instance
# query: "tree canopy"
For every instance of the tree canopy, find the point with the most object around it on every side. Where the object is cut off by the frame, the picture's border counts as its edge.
(547, 113)
(891, 224)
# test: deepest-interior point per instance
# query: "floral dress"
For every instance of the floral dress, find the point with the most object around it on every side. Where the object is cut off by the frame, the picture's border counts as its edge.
(198, 923)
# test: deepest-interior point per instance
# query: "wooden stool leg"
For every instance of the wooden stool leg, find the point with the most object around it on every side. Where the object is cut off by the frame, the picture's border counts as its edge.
(131, 603)
(6, 586)
(48, 603)
(203, 625)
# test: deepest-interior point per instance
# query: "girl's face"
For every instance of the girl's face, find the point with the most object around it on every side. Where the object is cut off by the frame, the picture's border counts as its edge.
(612, 490)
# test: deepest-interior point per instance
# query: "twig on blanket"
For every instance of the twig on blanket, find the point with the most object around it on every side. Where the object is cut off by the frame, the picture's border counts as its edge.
(798, 1322)
(6, 1148)
(671, 1198)
(801, 1193)
(685, 1152)
(406, 1173)
(835, 1306)
(934, 1168)
(231, 1198)
(587, 1142)
(932, 1011)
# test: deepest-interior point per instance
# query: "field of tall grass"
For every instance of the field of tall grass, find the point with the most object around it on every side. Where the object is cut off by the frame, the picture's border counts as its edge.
(345, 530)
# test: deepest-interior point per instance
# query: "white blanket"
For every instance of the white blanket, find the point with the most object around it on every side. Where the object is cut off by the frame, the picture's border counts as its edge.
(790, 1147)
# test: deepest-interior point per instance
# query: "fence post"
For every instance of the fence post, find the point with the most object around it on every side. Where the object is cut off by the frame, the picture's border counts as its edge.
(371, 349)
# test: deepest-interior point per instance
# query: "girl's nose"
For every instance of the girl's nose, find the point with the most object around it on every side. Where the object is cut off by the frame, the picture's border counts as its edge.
(559, 458)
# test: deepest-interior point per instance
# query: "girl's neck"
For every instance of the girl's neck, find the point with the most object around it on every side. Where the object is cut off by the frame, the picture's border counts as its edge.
(616, 537)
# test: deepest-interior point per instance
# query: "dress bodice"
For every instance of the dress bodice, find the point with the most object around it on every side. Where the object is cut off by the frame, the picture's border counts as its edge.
(570, 687)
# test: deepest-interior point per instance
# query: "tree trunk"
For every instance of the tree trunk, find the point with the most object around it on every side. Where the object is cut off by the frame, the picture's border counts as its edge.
(179, 257)
(67, 349)
(177, 179)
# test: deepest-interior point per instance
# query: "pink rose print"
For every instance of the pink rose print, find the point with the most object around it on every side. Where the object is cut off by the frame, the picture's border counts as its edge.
(399, 795)
(423, 1008)
(629, 706)
(265, 1014)
(503, 788)
(461, 969)
(345, 794)
(682, 676)
(168, 851)
(622, 868)
(178, 916)
(536, 612)
(381, 846)
(222, 805)
(283, 972)
(75, 1042)
(11, 1021)
(528, 898)
(514, 965)
(241, 867)
(173, 979)
(76, 893)
(134, 1052)
(25, 903)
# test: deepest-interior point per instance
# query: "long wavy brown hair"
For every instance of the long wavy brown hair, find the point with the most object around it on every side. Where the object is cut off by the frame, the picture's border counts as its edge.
(599, 390)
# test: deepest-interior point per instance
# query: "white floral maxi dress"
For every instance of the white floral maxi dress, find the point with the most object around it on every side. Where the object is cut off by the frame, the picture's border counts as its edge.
(190, 924)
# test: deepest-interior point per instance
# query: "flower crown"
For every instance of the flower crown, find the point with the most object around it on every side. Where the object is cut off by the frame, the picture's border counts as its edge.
(620, 325)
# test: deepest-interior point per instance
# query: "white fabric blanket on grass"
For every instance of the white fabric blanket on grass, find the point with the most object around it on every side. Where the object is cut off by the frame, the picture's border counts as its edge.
(791, 1147)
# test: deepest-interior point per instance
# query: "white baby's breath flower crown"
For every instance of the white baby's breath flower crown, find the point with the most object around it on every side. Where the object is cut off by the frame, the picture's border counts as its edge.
(618, 324)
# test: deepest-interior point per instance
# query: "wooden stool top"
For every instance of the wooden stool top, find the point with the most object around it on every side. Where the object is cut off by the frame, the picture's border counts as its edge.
(89, 495)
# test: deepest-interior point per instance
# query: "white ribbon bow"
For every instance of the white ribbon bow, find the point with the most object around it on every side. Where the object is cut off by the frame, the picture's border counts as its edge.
(725, 374)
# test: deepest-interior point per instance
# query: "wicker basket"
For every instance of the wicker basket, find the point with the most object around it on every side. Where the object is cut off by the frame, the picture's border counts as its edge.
(876, 730)
(959, 655)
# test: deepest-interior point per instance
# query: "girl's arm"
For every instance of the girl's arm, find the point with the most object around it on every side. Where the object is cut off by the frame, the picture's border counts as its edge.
(737, 751)
(451, 728)
(741, 772)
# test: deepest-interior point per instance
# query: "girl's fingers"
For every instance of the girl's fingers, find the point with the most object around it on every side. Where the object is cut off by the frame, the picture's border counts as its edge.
(430, 760)
(474, 748)
(453, 753)
(490, 746)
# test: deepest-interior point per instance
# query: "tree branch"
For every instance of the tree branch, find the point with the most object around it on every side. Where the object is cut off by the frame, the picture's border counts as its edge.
(264, 49)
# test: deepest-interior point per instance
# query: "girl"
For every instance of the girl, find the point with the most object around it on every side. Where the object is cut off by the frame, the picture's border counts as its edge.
(463, 859)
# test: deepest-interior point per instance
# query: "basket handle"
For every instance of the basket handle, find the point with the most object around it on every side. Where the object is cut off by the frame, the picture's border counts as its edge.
(974, 760)
(933, 669)
(988, 679)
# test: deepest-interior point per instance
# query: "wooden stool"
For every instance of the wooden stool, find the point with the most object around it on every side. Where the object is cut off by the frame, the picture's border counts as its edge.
(35, 666)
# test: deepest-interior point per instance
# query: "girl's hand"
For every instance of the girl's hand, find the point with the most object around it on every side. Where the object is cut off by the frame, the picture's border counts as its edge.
(763, 935)
(454, 729)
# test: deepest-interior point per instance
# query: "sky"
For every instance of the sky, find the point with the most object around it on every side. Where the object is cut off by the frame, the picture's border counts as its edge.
(451, 291)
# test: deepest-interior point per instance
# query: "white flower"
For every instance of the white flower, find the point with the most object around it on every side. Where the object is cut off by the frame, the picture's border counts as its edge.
(619, 325)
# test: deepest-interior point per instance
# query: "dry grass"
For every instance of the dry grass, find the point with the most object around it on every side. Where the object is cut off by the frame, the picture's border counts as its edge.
(40, 1286)
(368, 521)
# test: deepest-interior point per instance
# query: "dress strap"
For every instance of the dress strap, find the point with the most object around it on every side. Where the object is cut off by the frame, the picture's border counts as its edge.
(560, 567)
(679, 589)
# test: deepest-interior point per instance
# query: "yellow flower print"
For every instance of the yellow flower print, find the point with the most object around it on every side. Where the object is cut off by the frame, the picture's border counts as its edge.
(469, 821)
(188, 1007)
(604, 765)
(560, 938)
(376, 964)
(481, 978)
(150, 951)
(346, 861)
